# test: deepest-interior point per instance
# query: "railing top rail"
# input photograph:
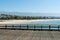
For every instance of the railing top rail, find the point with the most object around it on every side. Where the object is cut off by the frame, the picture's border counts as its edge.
(30, 24)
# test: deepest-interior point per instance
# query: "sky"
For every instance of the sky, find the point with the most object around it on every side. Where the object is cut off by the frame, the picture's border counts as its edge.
(34, 6)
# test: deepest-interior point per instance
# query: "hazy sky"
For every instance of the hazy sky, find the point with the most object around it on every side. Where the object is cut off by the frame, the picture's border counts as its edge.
(40, 6)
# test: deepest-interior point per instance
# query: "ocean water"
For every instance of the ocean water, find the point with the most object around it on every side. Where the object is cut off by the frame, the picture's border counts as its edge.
(53, 21)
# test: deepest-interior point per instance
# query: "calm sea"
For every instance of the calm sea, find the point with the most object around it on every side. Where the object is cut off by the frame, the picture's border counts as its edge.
(56, 21)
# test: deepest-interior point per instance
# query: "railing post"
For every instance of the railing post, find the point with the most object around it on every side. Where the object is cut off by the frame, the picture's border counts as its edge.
(49, 27)
(58, 27)
(5, 26)
(20, 26)
(27, 26)
(13, 27)
(34, 27)
(41, 27)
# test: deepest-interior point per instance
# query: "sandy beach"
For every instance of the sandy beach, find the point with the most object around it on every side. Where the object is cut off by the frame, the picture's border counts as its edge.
(21, 21)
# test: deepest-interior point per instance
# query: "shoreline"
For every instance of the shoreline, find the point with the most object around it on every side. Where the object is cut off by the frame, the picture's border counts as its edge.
(23, 21)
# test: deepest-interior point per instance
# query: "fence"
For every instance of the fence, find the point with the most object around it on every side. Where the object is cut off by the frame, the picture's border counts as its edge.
(31, 27)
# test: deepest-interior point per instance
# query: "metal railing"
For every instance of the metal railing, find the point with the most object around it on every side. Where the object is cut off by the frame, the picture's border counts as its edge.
(31, 27)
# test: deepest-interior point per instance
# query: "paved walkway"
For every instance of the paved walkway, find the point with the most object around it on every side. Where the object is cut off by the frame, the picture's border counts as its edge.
(29, 35)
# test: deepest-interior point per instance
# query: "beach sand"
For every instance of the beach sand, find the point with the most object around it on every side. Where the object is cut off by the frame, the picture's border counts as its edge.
(22, 21)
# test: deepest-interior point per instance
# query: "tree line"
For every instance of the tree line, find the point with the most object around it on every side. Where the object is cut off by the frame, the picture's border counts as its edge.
(7, 17)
